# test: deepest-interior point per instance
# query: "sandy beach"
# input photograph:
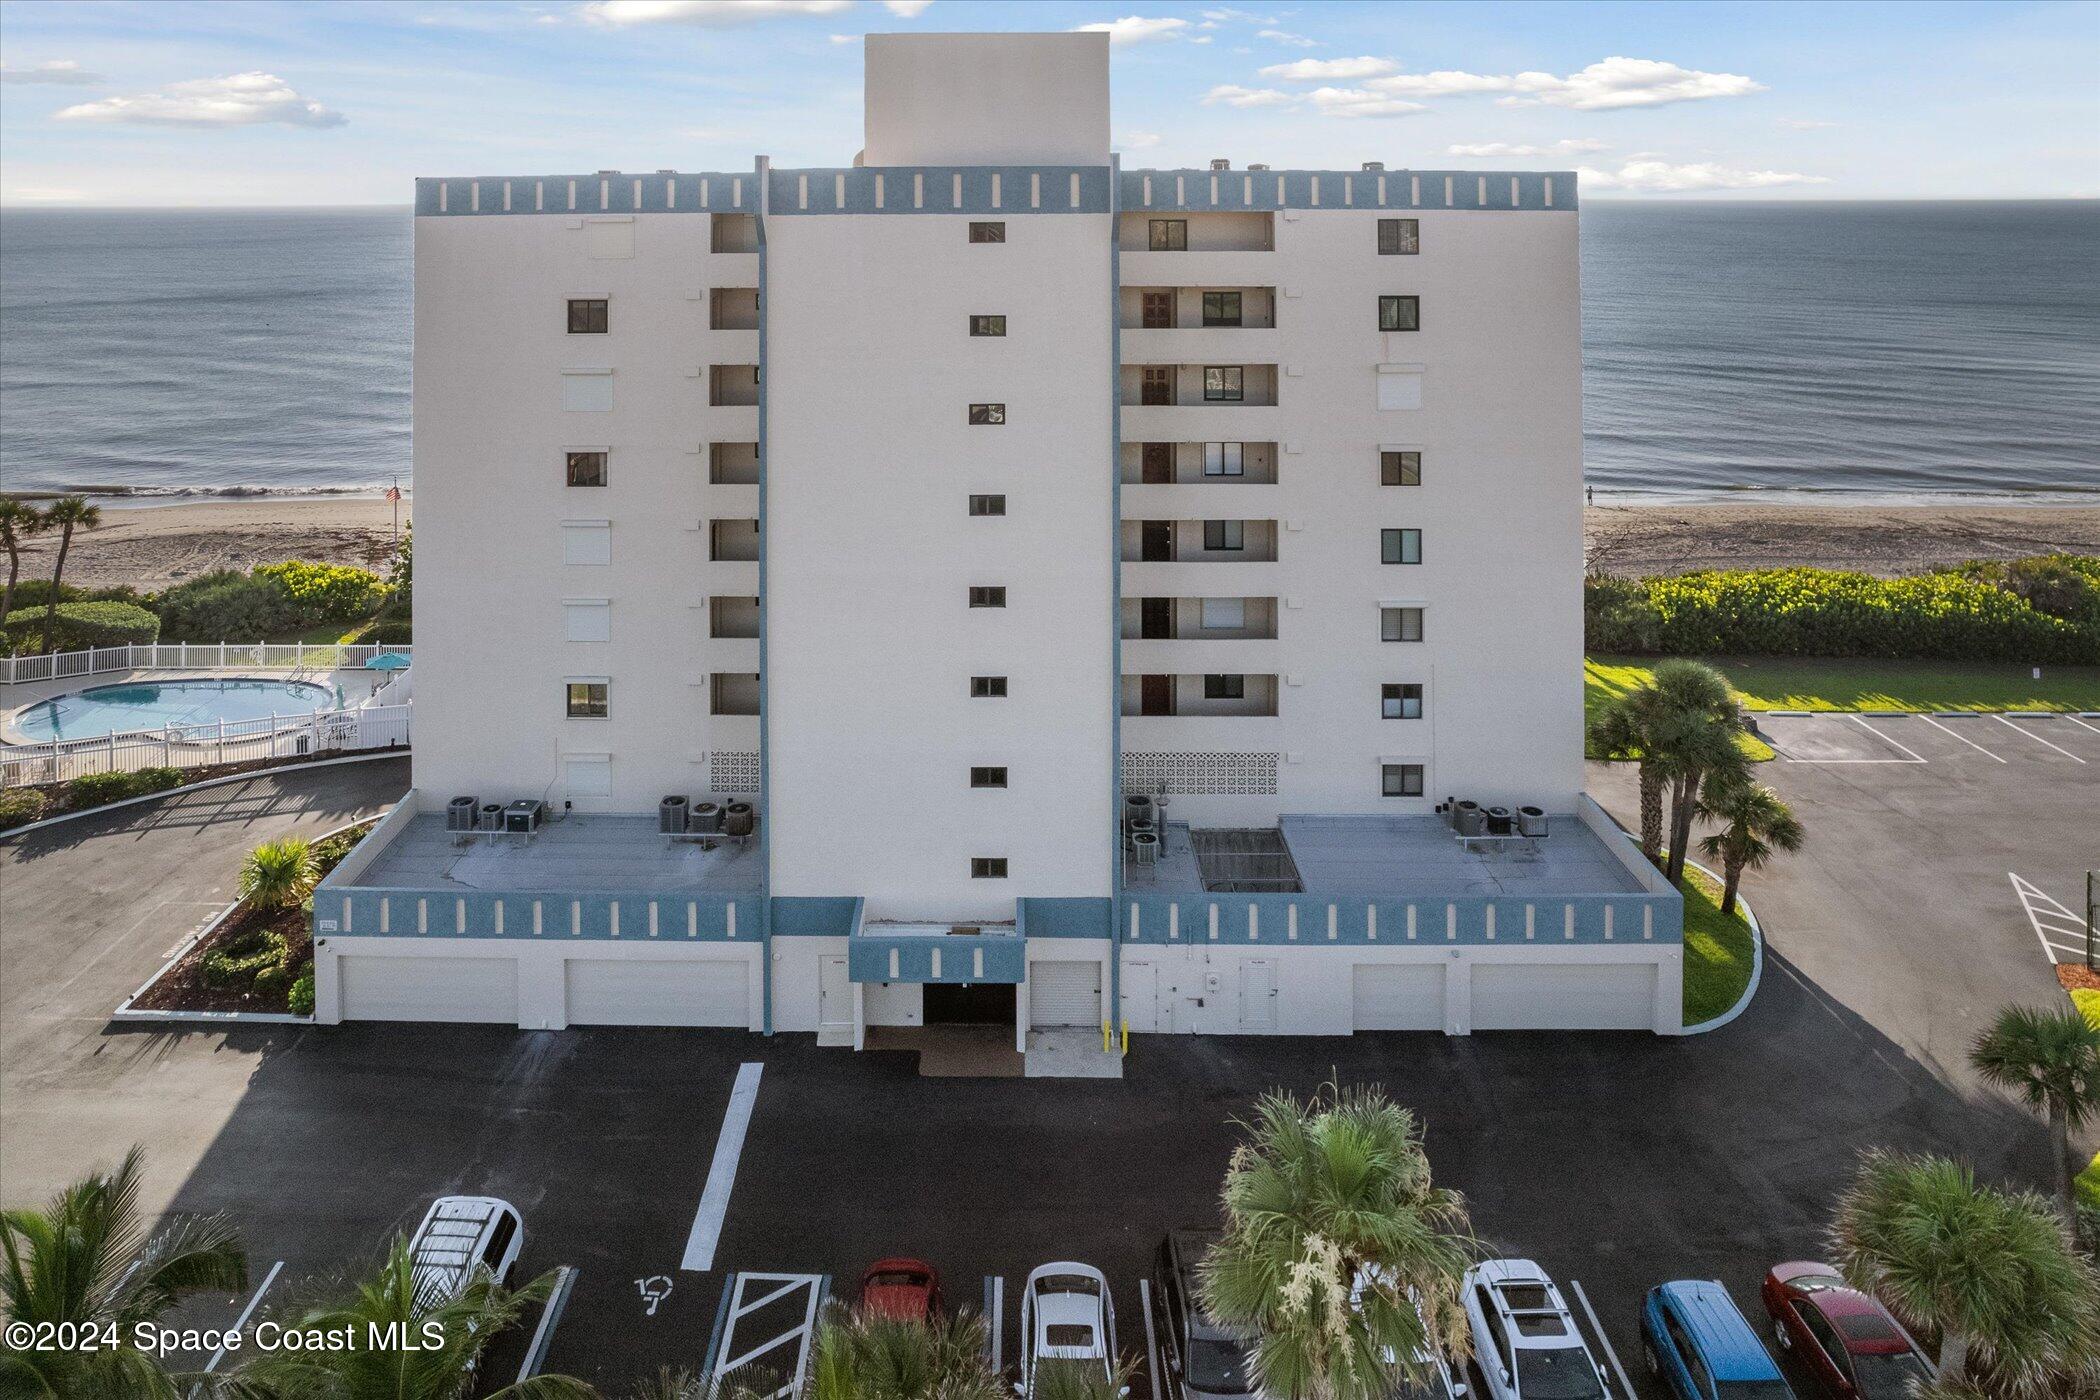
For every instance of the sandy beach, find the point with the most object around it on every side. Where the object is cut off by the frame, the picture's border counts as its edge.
(153, 547)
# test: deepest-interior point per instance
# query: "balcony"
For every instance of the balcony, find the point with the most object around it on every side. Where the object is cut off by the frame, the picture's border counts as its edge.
(734, 233)
(1199, 464)
(1194, 308)
(732, 541)
(733, 309)
(1199, 619)
(733, 693)
(732, 463)
(1199, 541)
(732, 386)
(1160, 236)
(1210, 386)
(732, 617)
(1209, 695)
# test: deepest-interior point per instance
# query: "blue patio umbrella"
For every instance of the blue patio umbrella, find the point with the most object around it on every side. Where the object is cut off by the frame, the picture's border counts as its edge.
(389, 661)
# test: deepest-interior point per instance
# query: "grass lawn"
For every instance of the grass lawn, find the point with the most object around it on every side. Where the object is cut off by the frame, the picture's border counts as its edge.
(1718, 951)
(1606, 678)
(327, 633)
(2088, 1001)
(1794, 683)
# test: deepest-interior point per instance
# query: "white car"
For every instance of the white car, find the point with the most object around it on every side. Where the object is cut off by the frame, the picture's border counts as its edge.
(1437, 1382)
(1524, 1337)
(460, 1234)
(1067, 1318)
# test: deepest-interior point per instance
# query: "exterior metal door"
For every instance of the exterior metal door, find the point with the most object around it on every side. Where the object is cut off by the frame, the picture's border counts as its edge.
(1064, 994)
(1141, 997)
(834, 1001)
(1159, 311)
(1157, 386)
(1258, 994)
(1156, 695)
(1159, 464)
(1155, 619)
(1156, 541)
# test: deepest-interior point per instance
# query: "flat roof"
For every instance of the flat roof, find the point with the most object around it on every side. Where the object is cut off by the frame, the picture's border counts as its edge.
(578, 854)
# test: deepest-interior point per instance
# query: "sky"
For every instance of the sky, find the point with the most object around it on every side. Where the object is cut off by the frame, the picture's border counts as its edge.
(265, 102)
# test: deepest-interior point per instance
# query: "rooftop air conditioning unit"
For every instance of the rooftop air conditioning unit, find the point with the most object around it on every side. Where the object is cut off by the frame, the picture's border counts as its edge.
(1253, 166)
(1374, 165)
(523, 816)
(670, 816)
(459, 813)
(1221, 165)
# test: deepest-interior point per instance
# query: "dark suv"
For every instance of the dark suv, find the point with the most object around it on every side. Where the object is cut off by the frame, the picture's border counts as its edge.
(1204, 1360)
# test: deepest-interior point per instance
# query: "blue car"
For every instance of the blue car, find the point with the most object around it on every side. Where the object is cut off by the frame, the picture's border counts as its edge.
(1699, 1345)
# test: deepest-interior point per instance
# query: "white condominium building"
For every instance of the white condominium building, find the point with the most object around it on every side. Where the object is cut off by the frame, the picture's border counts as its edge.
(986, 582)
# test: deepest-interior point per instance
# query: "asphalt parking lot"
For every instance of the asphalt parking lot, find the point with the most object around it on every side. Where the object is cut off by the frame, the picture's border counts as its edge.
(1618, 1160)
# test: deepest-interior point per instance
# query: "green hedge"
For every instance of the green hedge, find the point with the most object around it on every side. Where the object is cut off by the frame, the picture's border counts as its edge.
(326, 592)
(94, 789)
(79, 626)
(1972, 613)
(21, 806)
(226, 606)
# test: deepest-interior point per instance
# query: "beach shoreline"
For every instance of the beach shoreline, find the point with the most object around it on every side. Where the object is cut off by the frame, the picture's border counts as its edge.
(151, 544)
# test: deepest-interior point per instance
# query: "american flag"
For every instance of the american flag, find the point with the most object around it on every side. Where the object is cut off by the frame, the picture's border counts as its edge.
(393, 493)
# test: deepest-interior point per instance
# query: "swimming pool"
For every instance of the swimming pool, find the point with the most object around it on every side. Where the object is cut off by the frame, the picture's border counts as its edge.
(185, 704)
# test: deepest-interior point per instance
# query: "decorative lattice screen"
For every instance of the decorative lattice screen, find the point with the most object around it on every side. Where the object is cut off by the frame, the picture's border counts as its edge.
(732, 772)
(1237, 774)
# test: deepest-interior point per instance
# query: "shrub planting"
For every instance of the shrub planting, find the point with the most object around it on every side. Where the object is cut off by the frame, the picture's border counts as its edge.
(300, 999)
(247, 960)
(326, 592)
(94, 789)
(277, 874)
(21, 806)
(80, 625)
(226, 606)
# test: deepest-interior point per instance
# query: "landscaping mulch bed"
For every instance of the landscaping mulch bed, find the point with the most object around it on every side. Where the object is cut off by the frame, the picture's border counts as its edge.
(2077, 977)
(183, 988)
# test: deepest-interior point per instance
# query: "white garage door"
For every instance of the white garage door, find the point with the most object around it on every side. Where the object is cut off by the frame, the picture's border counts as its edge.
(1563, 996)
(1064, 994)
(1399, 996)
(430, 989)
(638, 992)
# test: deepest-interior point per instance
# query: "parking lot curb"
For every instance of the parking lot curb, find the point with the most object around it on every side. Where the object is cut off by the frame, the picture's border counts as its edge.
(1757, 961)
(28, 827)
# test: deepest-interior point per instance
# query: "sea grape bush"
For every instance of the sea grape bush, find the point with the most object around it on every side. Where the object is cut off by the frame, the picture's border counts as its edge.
(326, 592)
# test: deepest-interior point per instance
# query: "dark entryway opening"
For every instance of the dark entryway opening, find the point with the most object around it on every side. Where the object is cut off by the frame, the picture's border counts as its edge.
(969, 1004)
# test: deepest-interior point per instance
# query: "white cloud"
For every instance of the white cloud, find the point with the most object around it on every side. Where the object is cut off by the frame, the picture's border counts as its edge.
(906, 9)
(1661, 177)
(1805, 124)
(1280, 36)
(1509, 148)
(1355, 102)
(843, 38)
(711, 12)
(41, 194)
(1233, 95)
(1201, 39)
(1225, 14)
(1138, 140)
(1313, 70)
(1135, 29)
(55, 70)
(1604, 86)
(240, 99)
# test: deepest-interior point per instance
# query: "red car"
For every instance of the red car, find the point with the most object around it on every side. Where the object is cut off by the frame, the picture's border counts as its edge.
(908, 1290)
(1841, 1336)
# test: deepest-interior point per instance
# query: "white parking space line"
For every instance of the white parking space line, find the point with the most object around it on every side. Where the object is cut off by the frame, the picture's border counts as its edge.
(1152, 1363)
(998, 1324)
(1602, 1340)
(2056, 926)
(1914, 756)
(2037, 738)
(1963, 737)
(721, 1176)
(242, 1321)
(2080, 723)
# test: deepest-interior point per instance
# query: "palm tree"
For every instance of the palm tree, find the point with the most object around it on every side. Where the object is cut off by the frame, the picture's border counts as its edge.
(1623, 731)
(1698, 742)
(278, 874)
(66, 514)
(409, 1342)
(18, 521)
(2051, 1059)
(1337, 1248)
(86, 1259)
(860, 1355)
(1993, 1272)
(1754, 825)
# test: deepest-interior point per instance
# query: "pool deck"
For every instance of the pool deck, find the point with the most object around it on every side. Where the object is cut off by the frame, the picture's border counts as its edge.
(353, 686)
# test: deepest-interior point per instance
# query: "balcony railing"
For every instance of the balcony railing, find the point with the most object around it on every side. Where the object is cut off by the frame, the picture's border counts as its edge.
(1198, 386)
(1189, 308)
(1199, 463)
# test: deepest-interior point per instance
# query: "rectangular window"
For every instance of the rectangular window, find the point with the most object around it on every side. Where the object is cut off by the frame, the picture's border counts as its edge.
(586, 542)
(1399, 236)
(586, 391)
(1399, 313)
(988, 232)
(1224, 614)
(1399, 624)
(987, 325)
(1221, 308)
(987, 415)
(987, 505)
(587, 620)
(1399, 386)
(1169, 236)
(1224, 687)
(987, 867)
(1399, 469)
(586, 468)
(587, 699)
(988, 597)
(1224, 384)
(1224, 459)
(988, 687)
(1401, 779)
(1399, 546)
(1224, 534)
(586, 317)
(987, 777)
(1400, 701)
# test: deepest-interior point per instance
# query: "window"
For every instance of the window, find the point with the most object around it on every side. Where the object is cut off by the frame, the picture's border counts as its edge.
(1399, 313)
(1224, 687)
(988, 687)
(1399, 469)
(1400, 701)
(988, 597)
(1224, 534)
(987, 325)
(1224, 459)
(987, 415)
(1224, 614)
(987, 505)
(1224, 384)
(988, 232)
(586, 317)
(499, 1240)
(1168, 236)
(1400, 546)
(1399, 236)
(987, 867)
(586, 542)
(586, 619)
(586, 468)
(1401, 779)
(987, 777)
(1221, 308)
(1399, 386)
(587, 391)
(587, 699)
(1399, 624)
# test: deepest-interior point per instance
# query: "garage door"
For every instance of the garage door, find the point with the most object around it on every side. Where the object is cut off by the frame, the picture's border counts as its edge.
(1399, 996)
(1064, 994)
(652, 992)
(430, 989)
(1564, 996)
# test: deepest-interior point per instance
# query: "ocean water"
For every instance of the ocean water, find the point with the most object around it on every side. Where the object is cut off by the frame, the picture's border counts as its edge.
(1874, 350)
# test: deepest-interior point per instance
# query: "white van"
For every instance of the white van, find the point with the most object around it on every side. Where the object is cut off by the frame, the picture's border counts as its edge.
(460, 1234)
